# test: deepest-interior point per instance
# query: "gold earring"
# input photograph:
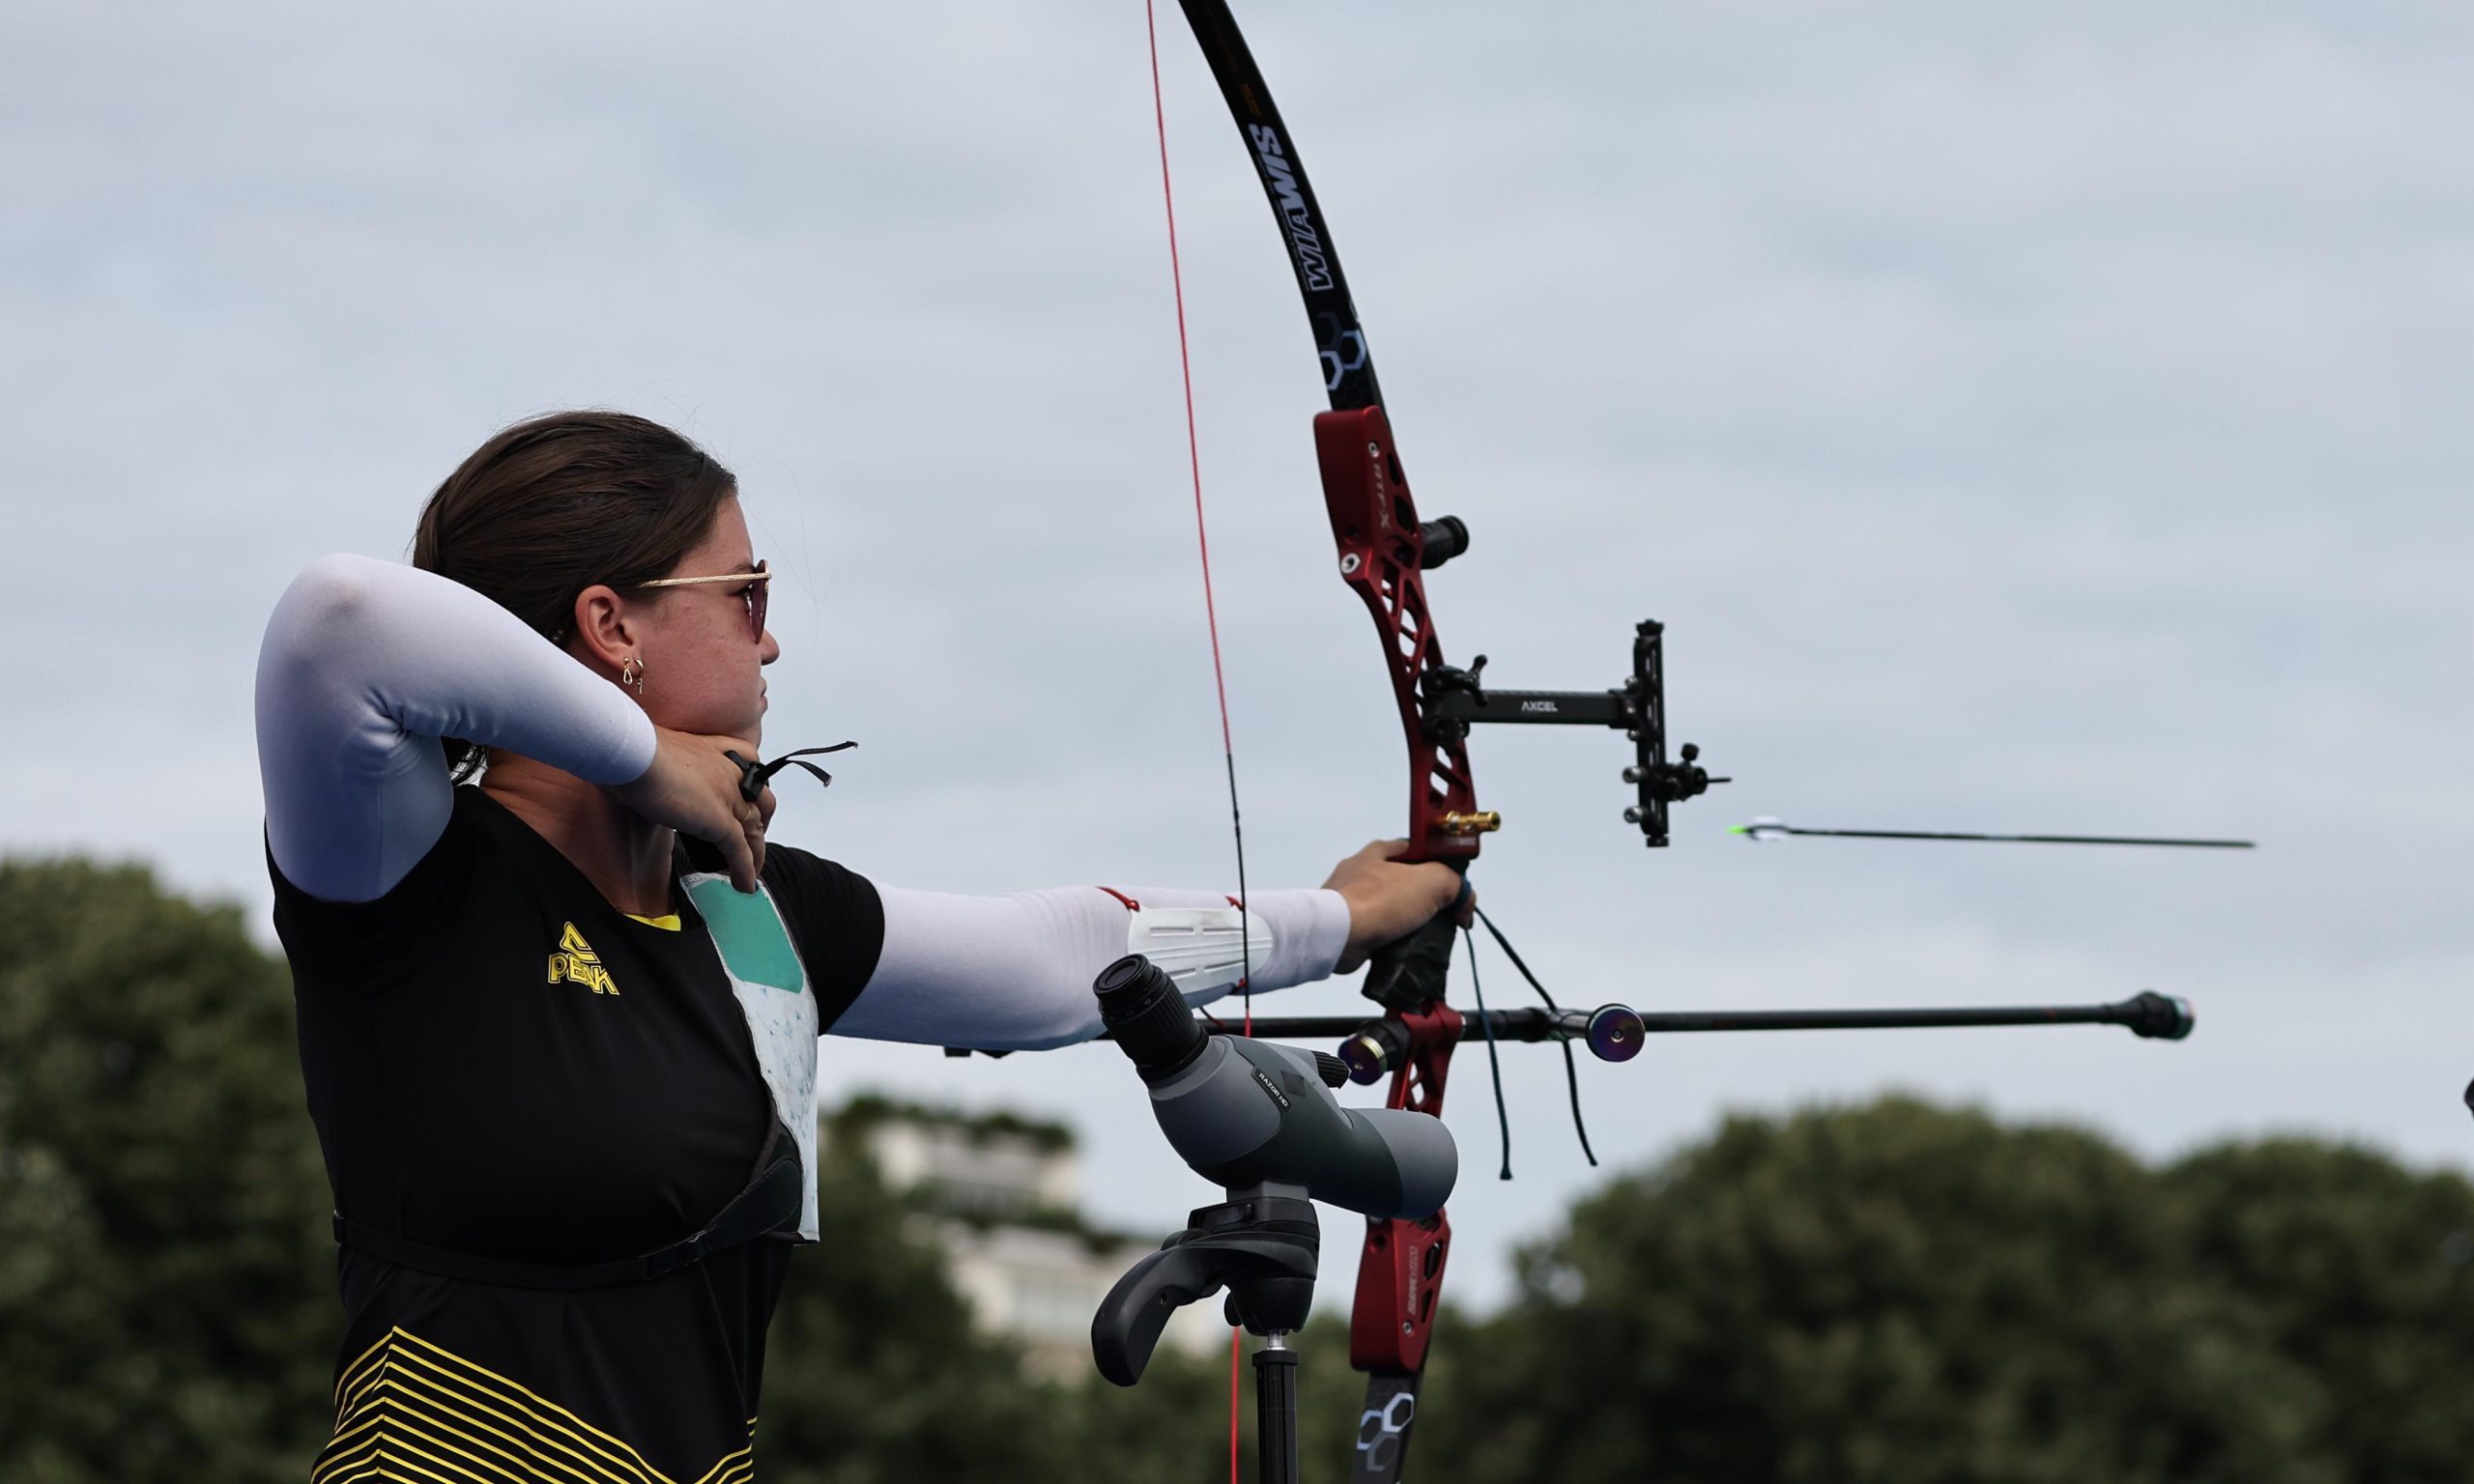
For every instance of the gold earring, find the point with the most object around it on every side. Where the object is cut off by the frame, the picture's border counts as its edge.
(633, 679)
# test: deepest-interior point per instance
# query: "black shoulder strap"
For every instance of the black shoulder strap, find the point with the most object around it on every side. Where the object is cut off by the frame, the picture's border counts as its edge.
(769, 1203)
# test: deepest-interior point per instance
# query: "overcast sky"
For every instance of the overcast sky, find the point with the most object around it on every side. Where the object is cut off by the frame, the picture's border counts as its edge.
(2025, 418)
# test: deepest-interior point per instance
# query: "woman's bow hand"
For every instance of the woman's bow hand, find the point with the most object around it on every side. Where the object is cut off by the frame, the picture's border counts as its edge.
(1388, 899)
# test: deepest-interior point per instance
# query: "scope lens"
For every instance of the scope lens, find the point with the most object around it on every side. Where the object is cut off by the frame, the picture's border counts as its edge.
(1616, 1033)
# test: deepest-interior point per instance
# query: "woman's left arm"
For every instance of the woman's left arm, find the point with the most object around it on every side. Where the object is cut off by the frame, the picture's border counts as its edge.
(1014, 973)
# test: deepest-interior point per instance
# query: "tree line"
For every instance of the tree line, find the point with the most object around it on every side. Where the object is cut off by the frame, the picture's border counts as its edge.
(1895, 1291)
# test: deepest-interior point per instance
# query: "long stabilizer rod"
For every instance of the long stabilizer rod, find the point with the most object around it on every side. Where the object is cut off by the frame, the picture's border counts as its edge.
(1766, 828)
(2147, 1014)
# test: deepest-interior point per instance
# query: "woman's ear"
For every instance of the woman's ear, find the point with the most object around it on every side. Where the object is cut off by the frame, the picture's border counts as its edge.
(607, 628)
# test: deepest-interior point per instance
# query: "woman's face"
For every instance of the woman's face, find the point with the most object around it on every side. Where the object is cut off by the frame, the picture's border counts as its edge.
(703, 668)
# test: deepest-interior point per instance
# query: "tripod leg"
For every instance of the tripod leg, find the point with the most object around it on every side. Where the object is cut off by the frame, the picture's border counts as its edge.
(1276, 1413)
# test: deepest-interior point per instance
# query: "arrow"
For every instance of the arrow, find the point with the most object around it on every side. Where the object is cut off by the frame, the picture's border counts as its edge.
(1769, 827)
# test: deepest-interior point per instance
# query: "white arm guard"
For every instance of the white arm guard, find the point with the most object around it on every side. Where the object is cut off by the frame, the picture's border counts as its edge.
(1204, 950)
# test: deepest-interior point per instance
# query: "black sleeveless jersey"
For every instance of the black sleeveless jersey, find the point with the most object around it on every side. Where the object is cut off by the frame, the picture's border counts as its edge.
(501, 1063)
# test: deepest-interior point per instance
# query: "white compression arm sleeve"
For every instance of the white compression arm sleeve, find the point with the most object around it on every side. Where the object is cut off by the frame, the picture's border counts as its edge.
(365, 665)
(1014, 973)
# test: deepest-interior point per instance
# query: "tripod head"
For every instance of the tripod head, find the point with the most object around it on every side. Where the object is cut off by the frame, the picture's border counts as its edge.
(1263, 1248)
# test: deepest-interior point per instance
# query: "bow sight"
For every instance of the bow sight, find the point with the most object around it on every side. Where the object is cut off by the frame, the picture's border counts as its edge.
(1455, 700)
(1385, 553)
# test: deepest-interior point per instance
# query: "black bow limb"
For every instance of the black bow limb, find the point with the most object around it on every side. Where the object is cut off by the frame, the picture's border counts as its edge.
(753, 776)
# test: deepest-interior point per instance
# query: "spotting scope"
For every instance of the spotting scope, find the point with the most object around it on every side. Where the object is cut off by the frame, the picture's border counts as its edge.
(1249, 1114)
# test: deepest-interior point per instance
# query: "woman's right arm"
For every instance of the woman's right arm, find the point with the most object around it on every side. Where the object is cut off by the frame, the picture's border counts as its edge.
(365, 665)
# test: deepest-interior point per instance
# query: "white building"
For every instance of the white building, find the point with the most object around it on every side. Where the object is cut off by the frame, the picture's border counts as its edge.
(1002, 1196)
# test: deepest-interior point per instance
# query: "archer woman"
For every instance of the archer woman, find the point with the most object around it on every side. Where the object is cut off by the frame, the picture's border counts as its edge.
(558, 1024)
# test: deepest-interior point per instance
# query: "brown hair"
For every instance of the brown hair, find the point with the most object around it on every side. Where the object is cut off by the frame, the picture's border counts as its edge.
(553, 505)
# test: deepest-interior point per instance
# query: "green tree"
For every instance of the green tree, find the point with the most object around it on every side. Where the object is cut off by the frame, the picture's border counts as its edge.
(165, 1284)
(1898, 1292)
(2358, 1271)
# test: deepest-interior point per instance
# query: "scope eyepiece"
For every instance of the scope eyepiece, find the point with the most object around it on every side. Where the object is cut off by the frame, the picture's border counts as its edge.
(1148, 1017)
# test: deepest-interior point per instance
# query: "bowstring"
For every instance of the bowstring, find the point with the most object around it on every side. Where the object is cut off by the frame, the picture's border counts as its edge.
(1211, 616)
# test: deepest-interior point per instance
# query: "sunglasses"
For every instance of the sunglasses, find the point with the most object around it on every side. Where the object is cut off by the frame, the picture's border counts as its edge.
(760, 586)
